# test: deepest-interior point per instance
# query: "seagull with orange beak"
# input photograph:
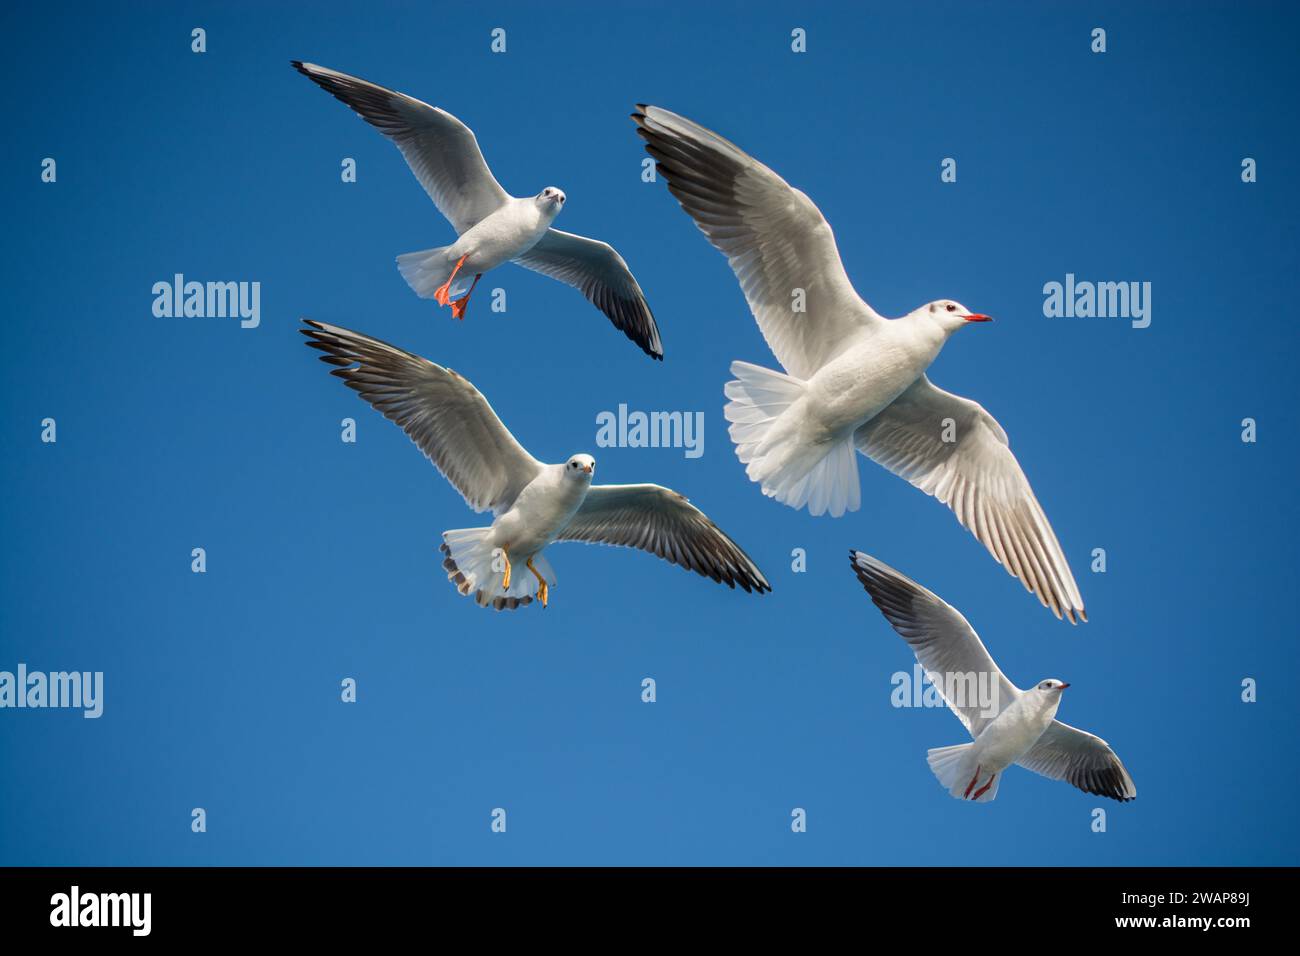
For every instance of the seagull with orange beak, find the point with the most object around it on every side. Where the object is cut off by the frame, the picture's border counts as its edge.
(853, 380)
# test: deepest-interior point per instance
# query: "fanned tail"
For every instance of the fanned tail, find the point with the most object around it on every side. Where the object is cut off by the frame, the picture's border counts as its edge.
(476, 567)
(426, 270)
(953, 766)
(768, 442)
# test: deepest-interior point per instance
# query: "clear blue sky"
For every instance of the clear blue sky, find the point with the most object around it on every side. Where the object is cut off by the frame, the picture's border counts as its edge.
(222, 689)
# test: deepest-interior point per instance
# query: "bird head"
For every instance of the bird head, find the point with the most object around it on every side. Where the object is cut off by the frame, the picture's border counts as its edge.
(580, 468)
(1051, 686)
(551, 200)
(951, 315)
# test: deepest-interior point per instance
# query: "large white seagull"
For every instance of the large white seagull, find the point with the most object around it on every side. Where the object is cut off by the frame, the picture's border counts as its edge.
(854, 379)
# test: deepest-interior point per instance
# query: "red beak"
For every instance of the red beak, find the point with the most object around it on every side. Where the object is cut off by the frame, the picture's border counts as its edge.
(586, 469)
(978, 317)
(1063, 686)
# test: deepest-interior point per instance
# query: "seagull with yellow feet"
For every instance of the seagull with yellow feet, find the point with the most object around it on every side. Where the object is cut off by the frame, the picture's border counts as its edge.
(533, 503)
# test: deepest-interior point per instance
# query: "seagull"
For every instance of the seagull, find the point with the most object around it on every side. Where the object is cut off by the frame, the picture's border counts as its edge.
(533, 503)
(1009, 725)
(493, 226)
(854, 379)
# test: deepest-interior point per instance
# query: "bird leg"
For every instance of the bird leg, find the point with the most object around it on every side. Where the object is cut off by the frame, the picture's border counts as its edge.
(542, 589)
(971, 786)
(443, 293)
(458, 307)
(981, 791)
(505, 577)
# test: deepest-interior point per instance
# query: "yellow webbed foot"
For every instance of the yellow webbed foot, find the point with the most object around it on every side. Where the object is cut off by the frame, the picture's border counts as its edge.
(543, 590)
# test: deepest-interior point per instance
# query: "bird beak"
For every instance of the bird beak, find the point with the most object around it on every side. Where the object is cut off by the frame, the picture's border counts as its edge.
(1063, 686)
(586, 469)
(978, 317)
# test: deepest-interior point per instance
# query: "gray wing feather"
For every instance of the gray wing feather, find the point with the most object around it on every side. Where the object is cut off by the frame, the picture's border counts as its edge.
(1080, 759)
(446, 416)
(979, 478)
(774, 237)
(596, 270)
(662, 522)
(943, 641)
(440, 149)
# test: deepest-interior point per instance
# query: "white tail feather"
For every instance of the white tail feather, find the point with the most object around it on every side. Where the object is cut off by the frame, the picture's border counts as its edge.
(769, 444)
(960, 776)
(426, 270)
(472, 563)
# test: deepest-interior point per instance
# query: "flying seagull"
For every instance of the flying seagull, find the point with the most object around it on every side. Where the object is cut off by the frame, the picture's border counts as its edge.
(1009, 725)
(533, 503)
(854, 378)
(493, 226)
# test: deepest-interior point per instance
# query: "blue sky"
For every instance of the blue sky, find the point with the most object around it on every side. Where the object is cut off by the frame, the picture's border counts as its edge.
(222, 689)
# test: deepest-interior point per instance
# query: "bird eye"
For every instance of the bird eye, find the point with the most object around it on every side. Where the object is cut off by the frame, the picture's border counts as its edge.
(951, 307)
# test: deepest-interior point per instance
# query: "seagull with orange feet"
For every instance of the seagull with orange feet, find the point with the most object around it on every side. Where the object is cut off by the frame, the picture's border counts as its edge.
(493, 226)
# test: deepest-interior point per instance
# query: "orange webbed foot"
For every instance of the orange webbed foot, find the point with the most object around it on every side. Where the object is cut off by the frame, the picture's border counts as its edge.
(442, 294)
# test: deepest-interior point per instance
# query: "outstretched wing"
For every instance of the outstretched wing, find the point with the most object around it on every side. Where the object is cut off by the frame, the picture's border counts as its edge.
(955, 659)
(979, 479)
(774, 237)
(1080, 759)
(446, 416)
(661, 521)
(599, 273)
(440, 149)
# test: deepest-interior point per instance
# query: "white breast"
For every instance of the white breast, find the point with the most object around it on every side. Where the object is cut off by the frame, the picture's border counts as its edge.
(872, 371)
(1014, 731)
(507, 233)
(540, 512)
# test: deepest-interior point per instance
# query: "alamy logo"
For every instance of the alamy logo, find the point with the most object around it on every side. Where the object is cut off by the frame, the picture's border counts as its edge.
(975, 690)
(103, 909)
(209, 300)
(1103, 300)
(653, 430)
(73, 689)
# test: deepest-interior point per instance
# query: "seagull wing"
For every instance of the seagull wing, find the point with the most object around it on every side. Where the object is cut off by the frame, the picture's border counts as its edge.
(979, 479)
(440, 149)
(661, 521)
(774, 237)
(446, 416)
(599, 273)
(955, 659)
(1080, 759)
